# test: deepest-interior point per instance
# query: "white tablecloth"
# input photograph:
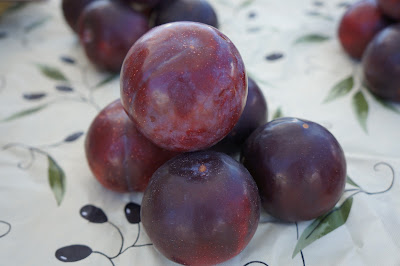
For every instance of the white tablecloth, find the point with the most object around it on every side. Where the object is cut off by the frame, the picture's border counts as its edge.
(289, 47)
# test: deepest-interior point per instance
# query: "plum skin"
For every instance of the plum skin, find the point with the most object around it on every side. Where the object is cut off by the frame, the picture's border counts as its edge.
(381, 64)
(184, 85)
(107, 30)
(255, 114)
(72, 9)
(361, 22)
(148, 3)
(390, 8)
(201, 208)
(121, 158)
(186, 10)
(299, 167)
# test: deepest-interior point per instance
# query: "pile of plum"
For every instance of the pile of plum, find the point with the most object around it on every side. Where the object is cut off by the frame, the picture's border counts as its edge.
(370, 31)
(108, 28)
(185, 97)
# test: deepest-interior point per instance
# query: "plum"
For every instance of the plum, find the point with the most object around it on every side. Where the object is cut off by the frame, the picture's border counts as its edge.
(390, 8)
(255, 114)
(186, 10)
(299, 168)
(121, 158)
(361, 22)
(381, 64)
(184, 85)
(72, 9)
(201, 208)
(147, 3)
(107, 30)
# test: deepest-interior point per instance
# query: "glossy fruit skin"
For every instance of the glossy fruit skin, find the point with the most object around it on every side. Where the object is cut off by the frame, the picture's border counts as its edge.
(184, 85)
(107, 30)
(255, 114)
(390, 8)
(187, 10)
(201, 208)
(299, 167)
(121, 158)
(72, 9)
(361, 22)
(381, 64)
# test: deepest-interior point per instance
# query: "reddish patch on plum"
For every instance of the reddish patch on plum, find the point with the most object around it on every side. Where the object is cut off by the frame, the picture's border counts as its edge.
(121, 158)
(184, 85)
(361, 22)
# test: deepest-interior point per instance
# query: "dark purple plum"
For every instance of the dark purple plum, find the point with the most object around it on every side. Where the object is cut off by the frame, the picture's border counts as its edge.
(299, 167)
(107, 30)
(201, 208)
(381, 64)
(147, 3)
(72, 9)
(184, 85)
(361, 22)
(391, 8)
(255, 114)
(186, 10)
(119, 156)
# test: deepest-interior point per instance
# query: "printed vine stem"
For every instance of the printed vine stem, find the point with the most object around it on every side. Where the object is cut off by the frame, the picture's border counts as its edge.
(122, 240)
(84, 71)
(377, 192)
(351, 189)
(24, 31)
(89, 99)
(29, 111)
(31, 150)
(70, 138)
(8, 230)
(101, 253)
(91, 88)
(39, 149)
(24, 165)
(52, 145)
(22, 37)
(360, 190)
(136, 240)
(80, 98)
(256, 261)
(301, 251)
(19, 35)
(56, 175)
(55, 74)
(96, 215)
(391, 183)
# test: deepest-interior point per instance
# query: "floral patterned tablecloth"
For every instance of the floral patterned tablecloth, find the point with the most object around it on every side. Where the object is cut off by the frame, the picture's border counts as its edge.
(49, 94)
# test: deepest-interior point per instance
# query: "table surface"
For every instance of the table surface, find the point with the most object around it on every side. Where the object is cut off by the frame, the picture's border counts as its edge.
(50, 93)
